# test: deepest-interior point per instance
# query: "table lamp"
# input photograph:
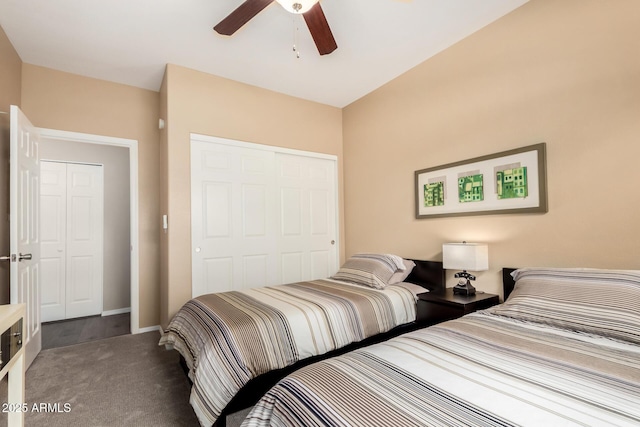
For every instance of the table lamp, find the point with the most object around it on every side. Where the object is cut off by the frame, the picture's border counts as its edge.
(465, 256)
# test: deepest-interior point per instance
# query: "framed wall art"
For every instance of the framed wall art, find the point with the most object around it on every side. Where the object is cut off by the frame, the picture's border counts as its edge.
(512, 181)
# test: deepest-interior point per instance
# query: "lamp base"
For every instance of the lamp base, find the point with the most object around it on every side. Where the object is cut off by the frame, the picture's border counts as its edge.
(464, 287)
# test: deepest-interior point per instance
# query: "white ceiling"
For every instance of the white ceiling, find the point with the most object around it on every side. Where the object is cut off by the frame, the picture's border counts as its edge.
(130, 41)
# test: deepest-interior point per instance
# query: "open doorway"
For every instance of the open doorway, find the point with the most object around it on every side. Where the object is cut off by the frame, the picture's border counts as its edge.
(73, 280)
(119, 313)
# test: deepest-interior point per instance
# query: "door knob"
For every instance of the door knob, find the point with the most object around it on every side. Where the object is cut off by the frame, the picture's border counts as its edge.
(8, 258)
(24, 257)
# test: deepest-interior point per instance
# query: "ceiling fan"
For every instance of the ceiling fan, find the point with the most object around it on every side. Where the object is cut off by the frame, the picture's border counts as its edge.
(309, 9)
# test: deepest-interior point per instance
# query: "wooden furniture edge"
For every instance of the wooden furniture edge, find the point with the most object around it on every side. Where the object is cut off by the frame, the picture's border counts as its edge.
(507, 281)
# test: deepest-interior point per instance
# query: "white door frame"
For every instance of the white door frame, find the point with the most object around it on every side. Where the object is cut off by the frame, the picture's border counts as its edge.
(132, 145)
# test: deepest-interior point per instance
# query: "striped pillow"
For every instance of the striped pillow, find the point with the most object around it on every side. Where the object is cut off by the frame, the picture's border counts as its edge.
(393, 261)
(601, 302)
(370, 270)
(400, 275)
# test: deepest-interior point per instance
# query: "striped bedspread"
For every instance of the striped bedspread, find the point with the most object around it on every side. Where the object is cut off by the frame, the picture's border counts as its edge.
(230, 338)
(480, 370)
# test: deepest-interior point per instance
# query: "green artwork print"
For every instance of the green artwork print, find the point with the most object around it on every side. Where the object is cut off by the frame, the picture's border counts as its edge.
(470, 189)
(434, 194)
(512, 183)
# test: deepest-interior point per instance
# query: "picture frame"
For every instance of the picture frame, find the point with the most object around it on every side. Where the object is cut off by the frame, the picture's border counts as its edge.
(513, 181)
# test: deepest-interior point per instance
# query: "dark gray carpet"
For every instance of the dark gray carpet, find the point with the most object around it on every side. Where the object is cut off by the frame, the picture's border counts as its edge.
(75, 331)
(122, 381)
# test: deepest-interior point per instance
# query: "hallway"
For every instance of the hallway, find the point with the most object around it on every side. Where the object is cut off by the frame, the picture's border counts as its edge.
(73, 331)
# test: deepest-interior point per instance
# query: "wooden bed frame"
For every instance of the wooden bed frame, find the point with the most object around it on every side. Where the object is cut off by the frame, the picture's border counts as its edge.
(428, 274)
(507, 281)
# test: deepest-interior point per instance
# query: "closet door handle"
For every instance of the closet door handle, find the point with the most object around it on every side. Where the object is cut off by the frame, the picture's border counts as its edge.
(22, 257)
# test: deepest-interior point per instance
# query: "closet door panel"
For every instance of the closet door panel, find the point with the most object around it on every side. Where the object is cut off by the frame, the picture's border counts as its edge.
(307, 211)
(292, 267)
(71, 223)
(218, 272)
(322, 263)
(216, 210)
(84, 240)
(232, 219)
(260, 215)
(53, 225)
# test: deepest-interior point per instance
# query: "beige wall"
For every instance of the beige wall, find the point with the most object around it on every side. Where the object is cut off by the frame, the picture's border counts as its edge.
(58, 100)
(116, 285)
(562, 72)
(10, 83)
(210, 105)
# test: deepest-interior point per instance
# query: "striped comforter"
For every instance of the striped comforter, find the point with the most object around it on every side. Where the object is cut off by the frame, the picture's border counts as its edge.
(480, 370)
(230, 338)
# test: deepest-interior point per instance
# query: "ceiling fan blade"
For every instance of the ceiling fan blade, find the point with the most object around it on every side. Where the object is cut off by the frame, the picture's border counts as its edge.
(319, 29)
(241, 16)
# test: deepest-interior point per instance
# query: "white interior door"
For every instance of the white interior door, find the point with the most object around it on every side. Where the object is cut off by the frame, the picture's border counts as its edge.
(307, 213)
(72, 240)
(260, 215)
(24, 227)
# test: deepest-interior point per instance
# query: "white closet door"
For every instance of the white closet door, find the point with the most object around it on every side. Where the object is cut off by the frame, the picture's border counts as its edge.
(72, 226)
(53, 232)
(307, 214)
(233, 220)
(259, 216)
(84, 240)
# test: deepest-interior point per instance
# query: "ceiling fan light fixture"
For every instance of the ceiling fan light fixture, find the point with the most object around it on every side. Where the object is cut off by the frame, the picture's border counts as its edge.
(297, 6)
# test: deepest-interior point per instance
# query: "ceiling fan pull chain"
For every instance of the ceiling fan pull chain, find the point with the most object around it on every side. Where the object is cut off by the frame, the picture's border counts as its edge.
(295, 37)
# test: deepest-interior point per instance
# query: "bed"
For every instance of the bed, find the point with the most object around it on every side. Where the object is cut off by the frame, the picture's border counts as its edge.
(236, 345)
(563, 349)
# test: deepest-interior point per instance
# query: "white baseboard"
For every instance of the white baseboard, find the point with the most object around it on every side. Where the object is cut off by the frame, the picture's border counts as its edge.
(150, 329)
(128, 310)
(116, 311)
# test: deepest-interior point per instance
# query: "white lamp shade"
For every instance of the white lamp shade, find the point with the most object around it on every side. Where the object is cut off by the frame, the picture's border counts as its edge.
(297, 6)
(465, 256)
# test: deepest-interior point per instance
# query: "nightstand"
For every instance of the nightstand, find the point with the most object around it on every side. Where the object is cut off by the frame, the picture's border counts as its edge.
(436, 307)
